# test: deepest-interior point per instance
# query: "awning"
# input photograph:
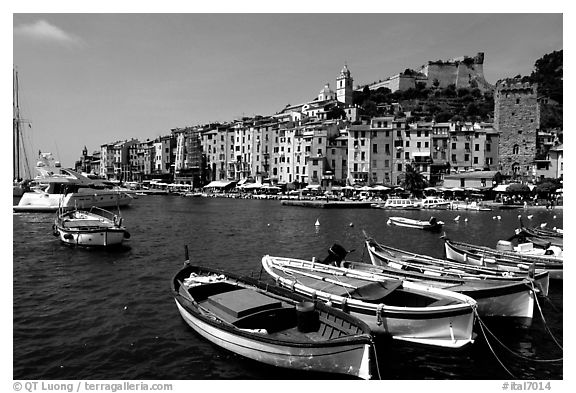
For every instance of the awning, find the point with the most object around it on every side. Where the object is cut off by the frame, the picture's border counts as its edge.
(381, 188)
(313, 186)
(218, 184)
(471, 189)
(251, 186)
(500, 188)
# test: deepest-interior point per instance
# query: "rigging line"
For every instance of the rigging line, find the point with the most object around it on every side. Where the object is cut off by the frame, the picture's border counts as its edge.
(376, 358)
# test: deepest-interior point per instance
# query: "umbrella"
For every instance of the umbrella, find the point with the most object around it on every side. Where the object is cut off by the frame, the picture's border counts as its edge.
(472, 189)
(381, 188)
(430, 189)
(457, 189)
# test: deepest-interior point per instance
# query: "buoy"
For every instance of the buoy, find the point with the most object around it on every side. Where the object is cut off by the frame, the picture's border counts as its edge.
(530, 216)
(126, 235)
(351, 224)
(268, 224)
(493, 217)
(465, 220)
(543, 224)
(317, 223)
(519, 215)
(457, 218)
(499, 217)
(554, 217)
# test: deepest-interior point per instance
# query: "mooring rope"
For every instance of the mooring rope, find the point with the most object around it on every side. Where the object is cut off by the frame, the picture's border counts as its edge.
(544, 319)
(490, 346)
(376, 358)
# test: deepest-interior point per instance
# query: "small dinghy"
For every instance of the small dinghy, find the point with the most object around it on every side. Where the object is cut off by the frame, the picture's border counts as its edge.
(401, 309)
(270, 324)
(89, 228)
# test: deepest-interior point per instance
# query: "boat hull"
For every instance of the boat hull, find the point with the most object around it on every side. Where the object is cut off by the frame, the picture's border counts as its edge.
(511, 264)
(350, 359)
(441, 326)
(95, 238)
(494, 298)
(416, 224)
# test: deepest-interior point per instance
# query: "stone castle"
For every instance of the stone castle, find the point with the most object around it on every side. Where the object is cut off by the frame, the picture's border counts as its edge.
(463, 72)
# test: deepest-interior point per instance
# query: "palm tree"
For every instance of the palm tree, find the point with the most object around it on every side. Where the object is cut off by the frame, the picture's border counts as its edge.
(414, 182)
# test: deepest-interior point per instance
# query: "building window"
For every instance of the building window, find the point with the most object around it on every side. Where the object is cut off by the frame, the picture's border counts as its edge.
(466, 157)
(374, 148)
(453, 157)
(407, 155)
(407, 143)
(487, 147)
(453, 146)
(475, 160)
(374, 164)
(386, 163)
(387, 148)
(399, 167)
(515, 149)
(418, 145)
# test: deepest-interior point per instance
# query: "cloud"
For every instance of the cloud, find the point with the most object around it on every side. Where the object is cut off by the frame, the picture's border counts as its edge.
(44, 31)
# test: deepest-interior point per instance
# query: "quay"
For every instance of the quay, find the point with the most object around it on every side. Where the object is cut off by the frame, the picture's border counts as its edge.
(328, 204)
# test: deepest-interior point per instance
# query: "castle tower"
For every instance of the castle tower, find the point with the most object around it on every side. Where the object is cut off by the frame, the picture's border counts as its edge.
(517, 120)
(344, 86)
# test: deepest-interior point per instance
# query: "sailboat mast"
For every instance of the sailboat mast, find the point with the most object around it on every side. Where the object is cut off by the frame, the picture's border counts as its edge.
(16, 126)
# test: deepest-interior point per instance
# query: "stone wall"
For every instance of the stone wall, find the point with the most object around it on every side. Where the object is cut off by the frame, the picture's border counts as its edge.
(517, 119)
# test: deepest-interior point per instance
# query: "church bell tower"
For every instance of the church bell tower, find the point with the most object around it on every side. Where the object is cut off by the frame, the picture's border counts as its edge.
(344, 86)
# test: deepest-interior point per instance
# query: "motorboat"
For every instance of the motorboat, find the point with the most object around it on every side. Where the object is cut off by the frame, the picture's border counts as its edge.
(397, 204)
(434, 203)
(428, 225)
(90, 228)
(64, 189)
(397, 308)
(270, 324)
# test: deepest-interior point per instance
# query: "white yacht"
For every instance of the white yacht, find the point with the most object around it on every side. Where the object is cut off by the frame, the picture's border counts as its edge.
(66, 189)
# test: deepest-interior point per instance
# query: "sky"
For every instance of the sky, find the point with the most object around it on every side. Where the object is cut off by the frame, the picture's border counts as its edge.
(88, 79)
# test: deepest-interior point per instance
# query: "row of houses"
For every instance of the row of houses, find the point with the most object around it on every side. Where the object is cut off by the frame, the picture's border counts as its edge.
(327, 141)
(282, 150)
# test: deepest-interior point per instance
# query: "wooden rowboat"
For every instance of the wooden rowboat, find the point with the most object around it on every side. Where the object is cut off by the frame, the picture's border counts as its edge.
(510, 297)
(89, 228)
(401, 309)
(271, 325)
(485, 256)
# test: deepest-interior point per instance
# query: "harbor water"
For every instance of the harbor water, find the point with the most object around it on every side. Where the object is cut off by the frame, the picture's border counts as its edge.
(96, 314)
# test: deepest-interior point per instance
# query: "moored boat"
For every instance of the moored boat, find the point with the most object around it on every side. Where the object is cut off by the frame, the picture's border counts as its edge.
(69, 190)
(90, 228)
(474, 206)
(401, 309)
(539, 237)
(434, 203)
(430, 225)
(485, 256)
(397, 204)
(270, 324)
(429, 265)
(510, 298)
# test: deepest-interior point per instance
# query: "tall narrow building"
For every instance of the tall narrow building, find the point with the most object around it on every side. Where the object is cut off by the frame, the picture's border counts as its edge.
(344, 86)
(517, 120)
